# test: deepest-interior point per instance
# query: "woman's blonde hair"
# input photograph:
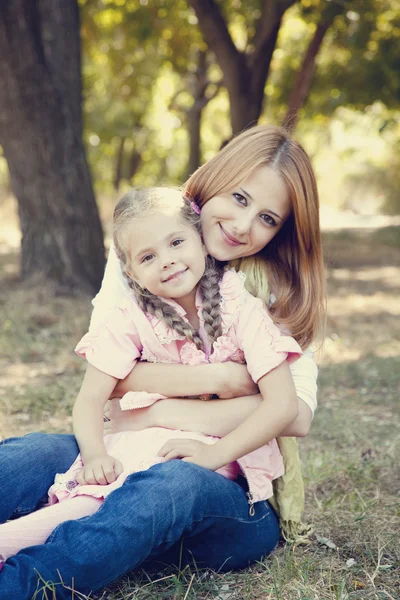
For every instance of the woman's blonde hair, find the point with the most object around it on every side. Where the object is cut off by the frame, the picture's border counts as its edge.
(291, 264)
(139, 203)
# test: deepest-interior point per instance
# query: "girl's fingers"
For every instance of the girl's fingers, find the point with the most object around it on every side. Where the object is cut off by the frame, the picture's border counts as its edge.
(109, 475)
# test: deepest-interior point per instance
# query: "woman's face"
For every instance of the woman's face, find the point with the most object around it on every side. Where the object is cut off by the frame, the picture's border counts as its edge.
(244, 220)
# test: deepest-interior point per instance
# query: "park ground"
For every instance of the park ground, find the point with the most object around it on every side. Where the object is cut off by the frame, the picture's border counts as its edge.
(350, 459)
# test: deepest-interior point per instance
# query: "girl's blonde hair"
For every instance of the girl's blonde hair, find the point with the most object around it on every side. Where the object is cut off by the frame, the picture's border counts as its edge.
(291, 264)
(139, 203)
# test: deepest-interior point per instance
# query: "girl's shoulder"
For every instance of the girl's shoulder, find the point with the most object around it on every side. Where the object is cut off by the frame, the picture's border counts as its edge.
(232, 283)
(233, 289)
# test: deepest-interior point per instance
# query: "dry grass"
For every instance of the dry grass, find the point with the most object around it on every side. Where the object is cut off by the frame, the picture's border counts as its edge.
(350, 460)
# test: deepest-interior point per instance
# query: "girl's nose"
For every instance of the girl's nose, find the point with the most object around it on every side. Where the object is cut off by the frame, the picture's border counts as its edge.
(167, 261)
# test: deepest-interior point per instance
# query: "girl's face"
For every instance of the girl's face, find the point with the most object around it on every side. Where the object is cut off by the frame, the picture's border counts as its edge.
(167, 256)
(244, 220)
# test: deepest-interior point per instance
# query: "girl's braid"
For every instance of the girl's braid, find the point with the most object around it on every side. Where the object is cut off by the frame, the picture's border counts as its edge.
(210, 289)
(154, 305)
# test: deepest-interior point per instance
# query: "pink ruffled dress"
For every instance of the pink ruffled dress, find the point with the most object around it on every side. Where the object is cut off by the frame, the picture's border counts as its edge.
(127, 335)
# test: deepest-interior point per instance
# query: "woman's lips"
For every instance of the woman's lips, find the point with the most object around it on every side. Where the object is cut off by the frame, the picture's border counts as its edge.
(228, 238)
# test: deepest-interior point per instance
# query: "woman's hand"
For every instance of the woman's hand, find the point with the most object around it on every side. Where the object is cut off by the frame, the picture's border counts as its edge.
(126, 420)
(192, 451)
(100, 470)
(235, 381)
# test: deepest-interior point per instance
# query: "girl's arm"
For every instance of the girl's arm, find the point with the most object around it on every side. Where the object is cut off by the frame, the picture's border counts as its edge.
(279, 407)
(87, 416)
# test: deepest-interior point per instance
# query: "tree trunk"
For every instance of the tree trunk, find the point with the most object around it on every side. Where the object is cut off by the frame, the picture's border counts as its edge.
(197, 87)
(134, 164)
(244, 111)
(119, 164)
(41, 135)
(194, 124)
(304, 77)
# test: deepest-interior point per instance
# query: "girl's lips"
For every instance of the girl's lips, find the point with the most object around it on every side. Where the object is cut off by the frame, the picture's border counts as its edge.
(175, 275)
(228, 238)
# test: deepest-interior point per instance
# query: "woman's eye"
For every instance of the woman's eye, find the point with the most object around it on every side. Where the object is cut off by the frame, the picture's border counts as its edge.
(268, 219)
(146, 258)
(241, 199)
(177, 242)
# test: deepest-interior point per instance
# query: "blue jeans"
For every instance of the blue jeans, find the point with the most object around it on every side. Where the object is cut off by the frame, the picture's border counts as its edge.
(171, 508)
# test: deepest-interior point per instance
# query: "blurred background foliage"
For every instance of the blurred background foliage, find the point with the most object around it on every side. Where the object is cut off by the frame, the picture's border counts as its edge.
(148, 75)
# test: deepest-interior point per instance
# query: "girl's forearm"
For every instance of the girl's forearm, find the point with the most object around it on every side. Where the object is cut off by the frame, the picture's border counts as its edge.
(277, 410)
(172, 380)
(88, 429)
(87, 414)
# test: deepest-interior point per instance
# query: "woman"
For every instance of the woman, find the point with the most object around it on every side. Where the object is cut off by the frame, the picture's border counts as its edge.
(277, 234)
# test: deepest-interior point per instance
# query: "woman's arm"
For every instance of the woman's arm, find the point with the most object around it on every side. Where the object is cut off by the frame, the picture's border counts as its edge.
(226, 380)
(214, 417)
(305, 373)
(87, 418)
(114, 287)
(277, 410)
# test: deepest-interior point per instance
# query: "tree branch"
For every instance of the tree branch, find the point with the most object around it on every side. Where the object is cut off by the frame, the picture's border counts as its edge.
(271, 13)
(304, 77)
(218, 39)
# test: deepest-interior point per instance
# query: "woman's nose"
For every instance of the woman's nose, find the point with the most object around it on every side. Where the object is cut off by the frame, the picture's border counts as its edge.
(242, 226)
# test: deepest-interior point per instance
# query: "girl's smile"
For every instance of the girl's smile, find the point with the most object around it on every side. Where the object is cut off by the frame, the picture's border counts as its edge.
(175, 276)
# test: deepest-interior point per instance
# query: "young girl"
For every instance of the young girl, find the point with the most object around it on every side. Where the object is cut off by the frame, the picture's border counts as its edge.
(183, 309)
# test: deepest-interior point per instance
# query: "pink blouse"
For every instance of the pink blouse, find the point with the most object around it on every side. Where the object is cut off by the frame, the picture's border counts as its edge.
(249, 335)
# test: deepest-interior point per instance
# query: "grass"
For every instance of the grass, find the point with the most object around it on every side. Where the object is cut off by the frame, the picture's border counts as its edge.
(350, 459)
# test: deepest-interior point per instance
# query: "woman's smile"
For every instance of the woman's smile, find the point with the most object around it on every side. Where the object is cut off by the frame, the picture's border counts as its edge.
(228, 238)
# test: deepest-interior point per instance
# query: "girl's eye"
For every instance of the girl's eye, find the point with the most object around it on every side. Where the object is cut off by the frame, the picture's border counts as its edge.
(177, 242)
(240, 198)
(146, 258)
(268, 219)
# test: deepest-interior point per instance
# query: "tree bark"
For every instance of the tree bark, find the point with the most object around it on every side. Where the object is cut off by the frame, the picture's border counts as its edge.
(304, 77)
(41, 135)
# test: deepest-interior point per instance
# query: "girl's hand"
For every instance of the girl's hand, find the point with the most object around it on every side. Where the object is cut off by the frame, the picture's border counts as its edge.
(100, 470)
(193, 451)
(235, 381)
